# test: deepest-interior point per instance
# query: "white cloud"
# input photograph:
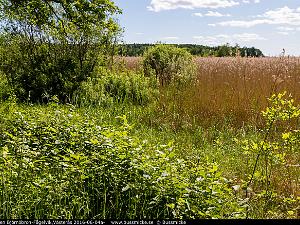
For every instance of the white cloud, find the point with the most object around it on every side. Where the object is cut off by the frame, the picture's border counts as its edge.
(211, 14)
(198, 14)
(170, 38)
(248, 1)
(207, 40)
(160, 5)
(280, 16)
(248, 37)
(224, 38)
(242, 23)
(283, 33)
(283, 15)
(286, 28)
(216, 14)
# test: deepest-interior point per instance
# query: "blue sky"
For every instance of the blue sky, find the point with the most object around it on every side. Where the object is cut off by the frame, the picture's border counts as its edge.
(270, 25)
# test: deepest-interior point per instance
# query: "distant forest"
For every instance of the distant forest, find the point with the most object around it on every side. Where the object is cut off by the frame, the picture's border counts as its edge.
(198, 50)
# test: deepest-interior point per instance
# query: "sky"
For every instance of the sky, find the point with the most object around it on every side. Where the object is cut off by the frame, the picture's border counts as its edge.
(270, 25)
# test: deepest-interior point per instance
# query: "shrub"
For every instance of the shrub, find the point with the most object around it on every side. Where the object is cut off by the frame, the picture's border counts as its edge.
(122, 87)
(5, 90)
(56, 163)
(37, 74)
(169, 63)
(275, 160)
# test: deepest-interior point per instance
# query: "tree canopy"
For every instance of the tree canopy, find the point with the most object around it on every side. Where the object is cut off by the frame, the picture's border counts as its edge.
(53, 45)
(69, 20)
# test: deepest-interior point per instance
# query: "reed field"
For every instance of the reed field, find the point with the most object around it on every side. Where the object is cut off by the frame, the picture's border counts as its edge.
(233, 87)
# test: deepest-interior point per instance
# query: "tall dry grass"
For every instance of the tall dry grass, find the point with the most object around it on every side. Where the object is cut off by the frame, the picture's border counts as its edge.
(238, 88)
(131, 63)
(230, 88)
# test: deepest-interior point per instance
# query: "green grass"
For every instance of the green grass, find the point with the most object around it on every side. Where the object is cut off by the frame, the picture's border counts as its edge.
(62, 162)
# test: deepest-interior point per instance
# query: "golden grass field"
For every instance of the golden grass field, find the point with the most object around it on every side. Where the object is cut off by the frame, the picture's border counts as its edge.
(234, 87)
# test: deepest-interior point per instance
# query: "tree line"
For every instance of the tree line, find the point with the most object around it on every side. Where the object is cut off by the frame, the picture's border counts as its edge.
(197, 50)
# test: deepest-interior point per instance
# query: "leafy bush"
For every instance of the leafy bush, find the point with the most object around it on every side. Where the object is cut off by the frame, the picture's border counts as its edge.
(5, 90)
(169, 63)
(56, 163)
(277, 153)
(122, 87)
(37, 74)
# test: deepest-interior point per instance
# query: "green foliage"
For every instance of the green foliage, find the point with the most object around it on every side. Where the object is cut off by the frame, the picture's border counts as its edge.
(38, 73)
(197, 50)
(280, 150)
(282, 109)
(71, 21)
(169, 64)
(5, 90)
(52, 46)
(59, 163)
(4, 86)
(116, 87)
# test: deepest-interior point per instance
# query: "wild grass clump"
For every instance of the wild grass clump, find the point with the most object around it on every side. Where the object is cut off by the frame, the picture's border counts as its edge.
(58, 163)
(116, 87)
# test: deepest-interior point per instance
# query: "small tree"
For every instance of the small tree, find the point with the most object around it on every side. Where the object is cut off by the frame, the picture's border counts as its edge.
(168, 63)
(53, 45)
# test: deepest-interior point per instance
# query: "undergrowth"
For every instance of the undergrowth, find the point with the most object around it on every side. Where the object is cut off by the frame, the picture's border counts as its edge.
(109, 88)
(59, 163)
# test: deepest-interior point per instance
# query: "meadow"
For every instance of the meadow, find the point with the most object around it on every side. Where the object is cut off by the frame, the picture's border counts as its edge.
(87, 134)
(223, 146)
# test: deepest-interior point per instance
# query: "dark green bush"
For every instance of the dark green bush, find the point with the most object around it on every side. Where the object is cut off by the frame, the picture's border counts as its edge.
(49, 47)
(37, 72)
(5, 89)
(56, 163)
(169, 63)
(116, 87)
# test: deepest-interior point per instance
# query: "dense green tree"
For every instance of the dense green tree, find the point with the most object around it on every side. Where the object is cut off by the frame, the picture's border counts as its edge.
(224, 50)
(53, 45)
